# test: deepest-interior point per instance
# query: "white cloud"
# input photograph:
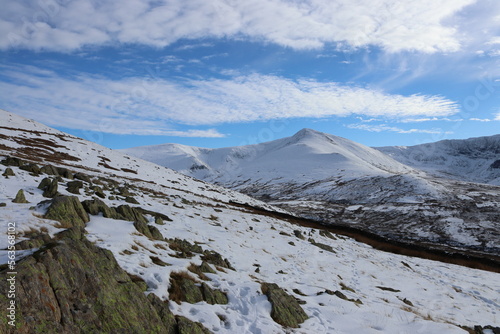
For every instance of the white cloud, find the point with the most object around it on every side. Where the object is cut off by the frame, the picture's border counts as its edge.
(153, 105)
(480, 119)
(386, 128)
(65, 25)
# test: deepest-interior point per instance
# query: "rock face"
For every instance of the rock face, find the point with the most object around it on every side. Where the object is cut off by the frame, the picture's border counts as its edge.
(68, 211)
(71, 286)
(286, 311)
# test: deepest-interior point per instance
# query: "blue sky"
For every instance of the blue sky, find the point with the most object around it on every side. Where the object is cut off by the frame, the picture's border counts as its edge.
(217, 73)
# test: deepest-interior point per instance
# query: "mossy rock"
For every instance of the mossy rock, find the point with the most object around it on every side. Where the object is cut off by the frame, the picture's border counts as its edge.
(184, 248)
(131, 200)
(72, 286)
(95, 205)
(20, 198)
(49, 187)
(49, 170)
(285, 310)
(64, 172)
(299, 234)
(213, 296)
(205, 268)
(216, 259)
(186, 326)
(327, 234)
(131, 214)
(124, 191)
(183, 288)
(98, 191)
(12, 161)
(163, 311)
(74, 187)
(34, 241)
(82, 177)
(68, 211)
(155, 233)
(8, 172)
(32, 168)
(322, 246)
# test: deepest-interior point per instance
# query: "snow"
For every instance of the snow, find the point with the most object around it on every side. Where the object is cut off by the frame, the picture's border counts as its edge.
(443, 295)
(466, 160)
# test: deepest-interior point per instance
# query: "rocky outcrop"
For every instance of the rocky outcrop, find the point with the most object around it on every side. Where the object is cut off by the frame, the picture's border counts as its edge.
(183, 288)
(71, 286)
(49, 187)
(20, 198)
(8, 172)
(68, 211)
(285, 310)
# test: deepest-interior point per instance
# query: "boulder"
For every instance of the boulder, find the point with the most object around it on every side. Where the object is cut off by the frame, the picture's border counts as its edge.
(20, 197)
(49, 170)
(285, 310)
(8, 172)
(49, 187)
(74, 187)
(72, 286)
(68, 211)
(94, 206)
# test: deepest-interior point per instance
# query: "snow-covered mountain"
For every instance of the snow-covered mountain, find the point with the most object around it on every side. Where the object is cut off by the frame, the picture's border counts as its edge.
(208, 259)
(309, 164)
(474, 159)
(340, 182)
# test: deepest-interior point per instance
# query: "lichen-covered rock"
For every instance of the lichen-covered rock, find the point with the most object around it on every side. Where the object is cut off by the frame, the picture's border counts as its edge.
(155, 233)
(49, 170)
(82, 177)
(98, 191)
(184, 248)
(74, 187)
(20, 197)
(131, 214)
(49, 187)
(94, 206)
(212, 296)
(8, 172)
(187, 326)
(64, 172)
(131, 200)
(216, 259)
(163, 311)
(71, 286)
(286, 311)
(11, 161)
(184, 288)
(68, 211)
(32, 168)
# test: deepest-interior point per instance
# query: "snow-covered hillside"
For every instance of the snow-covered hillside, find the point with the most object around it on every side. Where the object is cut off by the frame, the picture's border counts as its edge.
(474, 159)
(308, 165)
(343, 286)
(340, 182)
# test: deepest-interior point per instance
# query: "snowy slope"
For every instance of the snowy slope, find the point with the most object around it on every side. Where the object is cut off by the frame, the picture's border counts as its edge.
(398, 294)
(474, 159)
(340, 182)
(309, 164)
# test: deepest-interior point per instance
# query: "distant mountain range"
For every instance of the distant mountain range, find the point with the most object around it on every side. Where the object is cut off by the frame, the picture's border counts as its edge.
(428, 193)
(474, 159)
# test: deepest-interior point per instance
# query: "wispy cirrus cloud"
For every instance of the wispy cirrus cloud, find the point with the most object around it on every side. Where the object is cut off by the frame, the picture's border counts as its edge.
(136, 105)
(386, 128)
(63, 25)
